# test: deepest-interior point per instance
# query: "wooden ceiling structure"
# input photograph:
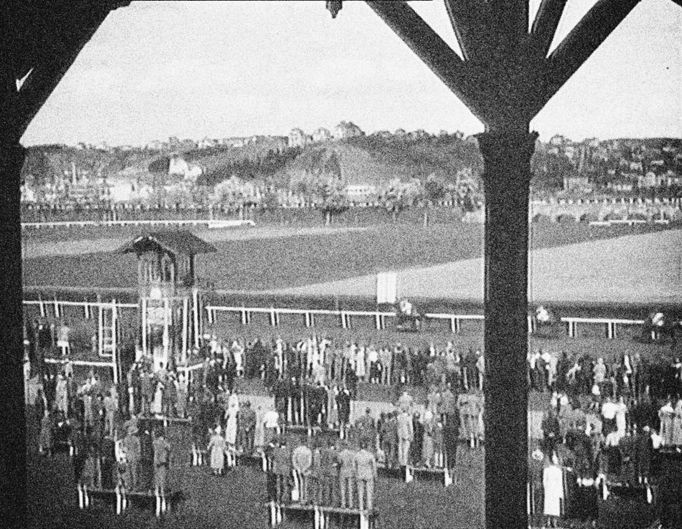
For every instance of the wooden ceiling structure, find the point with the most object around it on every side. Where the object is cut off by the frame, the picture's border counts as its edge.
(505, 77)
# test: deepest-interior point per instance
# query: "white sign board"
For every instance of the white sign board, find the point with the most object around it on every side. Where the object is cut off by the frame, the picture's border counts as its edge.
(387, 287)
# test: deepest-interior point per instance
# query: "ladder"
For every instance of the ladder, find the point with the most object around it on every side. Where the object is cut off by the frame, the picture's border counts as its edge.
(107, 328)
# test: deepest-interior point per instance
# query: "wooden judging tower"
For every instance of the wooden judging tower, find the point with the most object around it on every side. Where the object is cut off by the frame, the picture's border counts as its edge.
(170, 308)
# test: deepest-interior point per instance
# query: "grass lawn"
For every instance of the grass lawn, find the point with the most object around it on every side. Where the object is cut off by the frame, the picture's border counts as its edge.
(237, 501)
(304, 258)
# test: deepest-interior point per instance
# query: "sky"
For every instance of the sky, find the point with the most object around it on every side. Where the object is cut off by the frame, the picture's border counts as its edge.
(239, 68)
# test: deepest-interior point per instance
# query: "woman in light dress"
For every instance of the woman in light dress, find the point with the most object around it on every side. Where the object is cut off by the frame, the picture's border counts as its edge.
(427, 441)
(621, 413)
(553, 486)
(231, 427)
(216, 451)
(666, 415)
(677, 424)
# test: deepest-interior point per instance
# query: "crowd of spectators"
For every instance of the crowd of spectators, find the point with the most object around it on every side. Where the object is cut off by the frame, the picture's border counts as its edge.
(603, 422)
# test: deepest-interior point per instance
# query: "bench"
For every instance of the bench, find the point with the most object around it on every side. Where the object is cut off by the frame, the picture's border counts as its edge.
(122, 499)
(321, 516)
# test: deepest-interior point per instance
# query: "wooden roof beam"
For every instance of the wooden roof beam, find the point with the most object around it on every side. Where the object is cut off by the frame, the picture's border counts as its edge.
(545, 24)
(597, 24)
(509, 19)
(431, 49)
(52, 62)
(470, 20)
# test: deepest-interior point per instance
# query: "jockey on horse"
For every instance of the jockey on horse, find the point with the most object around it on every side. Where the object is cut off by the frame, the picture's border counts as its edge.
(658, 325)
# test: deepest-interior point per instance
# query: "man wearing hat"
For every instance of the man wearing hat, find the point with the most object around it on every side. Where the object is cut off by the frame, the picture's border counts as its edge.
(132, 448)
(161, 461)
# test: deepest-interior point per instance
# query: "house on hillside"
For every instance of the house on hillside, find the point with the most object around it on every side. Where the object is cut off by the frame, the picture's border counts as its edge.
(179, 167)
(322, 134)
(297, 138)
(577, 183)
(361, 193)
(347, 129)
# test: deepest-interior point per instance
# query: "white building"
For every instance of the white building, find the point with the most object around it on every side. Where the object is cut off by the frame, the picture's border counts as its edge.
(322, 134)
(297, 138)
(347, 129)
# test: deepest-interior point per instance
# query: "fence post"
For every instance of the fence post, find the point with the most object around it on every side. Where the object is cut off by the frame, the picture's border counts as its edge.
(309, 319)
(56, 308)
(274, 317)
(611, 330)
(42, 306)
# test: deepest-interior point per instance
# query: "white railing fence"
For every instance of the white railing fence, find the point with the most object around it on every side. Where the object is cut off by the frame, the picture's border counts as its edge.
(310, 317)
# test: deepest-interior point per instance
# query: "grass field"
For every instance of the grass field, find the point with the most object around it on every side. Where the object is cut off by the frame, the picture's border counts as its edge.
(290, 258)
(236, 501)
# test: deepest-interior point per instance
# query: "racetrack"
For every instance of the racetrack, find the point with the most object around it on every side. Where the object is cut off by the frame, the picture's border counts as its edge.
(636, 268)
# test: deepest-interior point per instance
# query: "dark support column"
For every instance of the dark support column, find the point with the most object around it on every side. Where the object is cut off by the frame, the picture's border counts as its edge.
(12, 409)
(506, 157)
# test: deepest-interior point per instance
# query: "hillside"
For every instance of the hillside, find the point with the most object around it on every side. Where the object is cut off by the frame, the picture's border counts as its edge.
(370, 160)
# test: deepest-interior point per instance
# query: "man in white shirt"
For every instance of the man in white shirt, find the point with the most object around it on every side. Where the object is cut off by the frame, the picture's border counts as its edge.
(270, 425)
(608, 413)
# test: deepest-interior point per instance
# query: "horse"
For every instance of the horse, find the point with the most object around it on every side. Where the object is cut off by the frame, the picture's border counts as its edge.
(660, 325)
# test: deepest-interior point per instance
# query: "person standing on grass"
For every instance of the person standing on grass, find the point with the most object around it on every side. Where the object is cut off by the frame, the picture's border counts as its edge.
(162, 449)
(405, 431)
(480, 369)
(110, 409)
(45, 438)
(281, 468)
(365, 474)
(328, 473)
(132, 449)
(301, 462)
(346, 463)
(216, 451)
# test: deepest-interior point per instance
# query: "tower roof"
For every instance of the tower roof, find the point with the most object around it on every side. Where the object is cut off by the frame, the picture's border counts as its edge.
(176, 242)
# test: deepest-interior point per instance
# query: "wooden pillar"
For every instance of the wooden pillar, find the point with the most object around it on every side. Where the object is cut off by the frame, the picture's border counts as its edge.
(12, 410)
(506, 157)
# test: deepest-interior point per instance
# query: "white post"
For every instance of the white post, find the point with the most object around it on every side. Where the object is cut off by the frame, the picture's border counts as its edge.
(195, 297)
(143, 324)
(42, 307)
(185, 308)
(86, 309)
(100, 327)
(166, 335)
(56, 308)
(114, 345)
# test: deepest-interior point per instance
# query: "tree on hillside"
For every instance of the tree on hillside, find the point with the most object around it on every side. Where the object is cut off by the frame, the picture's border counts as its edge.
(37, 169)
(399, 196)
(333, 199)
(435, 188)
